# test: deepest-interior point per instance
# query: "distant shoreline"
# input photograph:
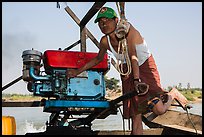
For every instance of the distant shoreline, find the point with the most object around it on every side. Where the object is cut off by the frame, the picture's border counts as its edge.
(197, 100)
(111, 95)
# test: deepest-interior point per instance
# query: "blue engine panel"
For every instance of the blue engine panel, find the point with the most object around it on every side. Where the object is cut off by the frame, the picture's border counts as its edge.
(89, 85)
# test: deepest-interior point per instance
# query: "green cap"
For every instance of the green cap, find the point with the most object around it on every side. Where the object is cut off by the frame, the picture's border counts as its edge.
(105, 12)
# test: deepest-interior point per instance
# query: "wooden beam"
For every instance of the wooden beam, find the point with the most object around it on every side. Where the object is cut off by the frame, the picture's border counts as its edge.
(21, 104)
(89, 34)
(76, 19)
(83, 39)
(184, 129)
(94, 9)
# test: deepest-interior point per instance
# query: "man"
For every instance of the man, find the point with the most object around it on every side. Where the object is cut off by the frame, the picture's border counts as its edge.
(143, 69)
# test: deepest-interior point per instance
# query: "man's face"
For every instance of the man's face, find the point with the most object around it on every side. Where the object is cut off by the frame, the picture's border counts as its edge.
(107, 25)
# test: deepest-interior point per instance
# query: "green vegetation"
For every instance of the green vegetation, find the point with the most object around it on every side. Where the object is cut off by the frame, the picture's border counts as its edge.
(111, 83)
(192, 94)
(19, 97)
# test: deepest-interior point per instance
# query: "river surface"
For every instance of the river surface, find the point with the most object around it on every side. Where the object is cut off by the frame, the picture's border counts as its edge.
(32, 119)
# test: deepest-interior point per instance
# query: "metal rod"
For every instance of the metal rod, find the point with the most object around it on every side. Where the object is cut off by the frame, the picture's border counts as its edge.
(11, 83)
(73, 45)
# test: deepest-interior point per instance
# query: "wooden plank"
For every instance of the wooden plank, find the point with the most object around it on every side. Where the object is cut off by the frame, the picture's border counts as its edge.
(172, 117)
(175, 121)
(155, 131)
(183, 128)
(152, 131)
(21, 104)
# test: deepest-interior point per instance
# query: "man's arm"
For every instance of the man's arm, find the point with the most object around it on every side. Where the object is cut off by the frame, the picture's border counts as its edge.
(132, 52)
(90, 64)
(93, 62)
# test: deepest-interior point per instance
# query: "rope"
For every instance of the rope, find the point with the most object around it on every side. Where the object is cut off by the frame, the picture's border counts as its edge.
(123, 44)
(191, 121)
(119, 12)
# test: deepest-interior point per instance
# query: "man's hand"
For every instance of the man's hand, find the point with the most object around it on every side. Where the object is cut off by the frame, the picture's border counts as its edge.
(70, 73)
(122, 28)
(141, 88)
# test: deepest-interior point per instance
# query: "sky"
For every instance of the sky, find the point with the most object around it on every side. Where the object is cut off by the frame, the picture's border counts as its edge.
(172, 30)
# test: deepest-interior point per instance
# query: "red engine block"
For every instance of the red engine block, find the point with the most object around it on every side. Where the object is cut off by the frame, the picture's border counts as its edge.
(72, 59)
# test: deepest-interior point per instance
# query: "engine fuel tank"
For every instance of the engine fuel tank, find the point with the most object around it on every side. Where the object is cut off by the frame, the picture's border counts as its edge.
(72, 60)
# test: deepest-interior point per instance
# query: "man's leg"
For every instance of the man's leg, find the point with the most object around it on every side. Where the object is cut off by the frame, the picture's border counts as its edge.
(137, 128)
(160, 108)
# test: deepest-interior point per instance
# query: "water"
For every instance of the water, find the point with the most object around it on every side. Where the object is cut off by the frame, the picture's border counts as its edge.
(32, 119)
(196, 109)
(28, 119)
